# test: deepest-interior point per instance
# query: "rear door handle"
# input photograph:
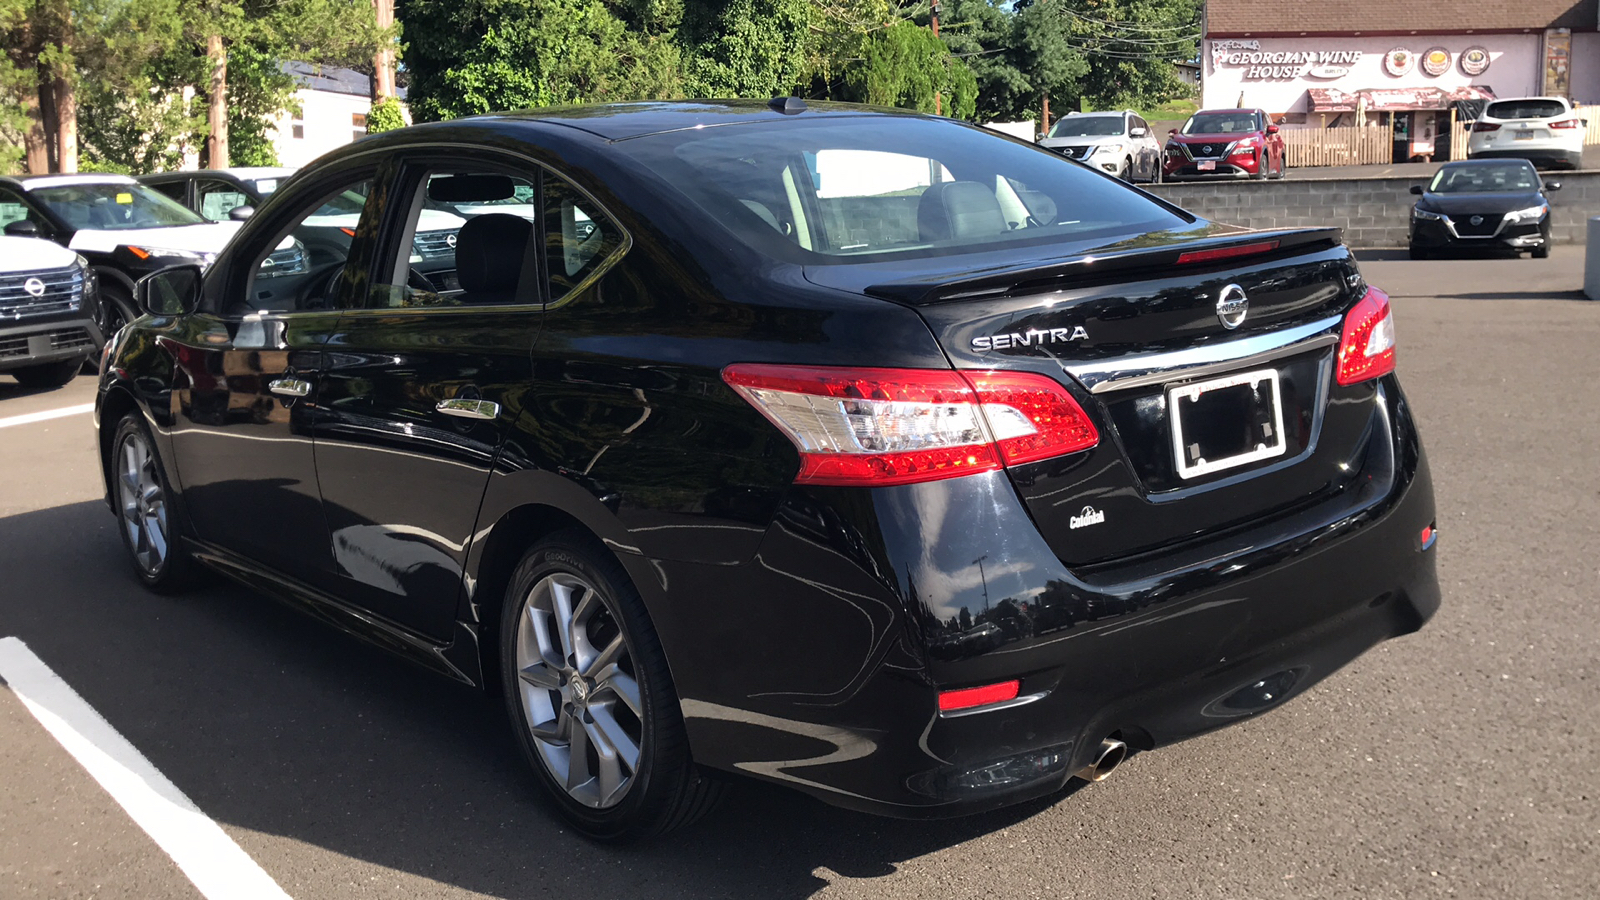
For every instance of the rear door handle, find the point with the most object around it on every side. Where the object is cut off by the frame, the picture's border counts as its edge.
(469, 409)
(289, 387)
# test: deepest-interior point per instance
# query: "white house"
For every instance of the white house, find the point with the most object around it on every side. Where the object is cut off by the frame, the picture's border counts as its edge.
(333, 105)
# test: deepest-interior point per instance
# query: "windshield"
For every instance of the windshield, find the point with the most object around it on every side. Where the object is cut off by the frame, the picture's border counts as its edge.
(1220, 123)
(113, 206)
(1087, 126)
(1504, 178)
(860, 188)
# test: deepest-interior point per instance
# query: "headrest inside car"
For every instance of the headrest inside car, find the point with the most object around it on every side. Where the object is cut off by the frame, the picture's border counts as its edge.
(471, 188)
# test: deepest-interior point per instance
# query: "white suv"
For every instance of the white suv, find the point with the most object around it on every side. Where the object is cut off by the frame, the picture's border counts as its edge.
(1119, 143)
(1546, 131)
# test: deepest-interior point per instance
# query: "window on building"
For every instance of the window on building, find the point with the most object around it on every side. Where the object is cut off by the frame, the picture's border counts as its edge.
(358, 125)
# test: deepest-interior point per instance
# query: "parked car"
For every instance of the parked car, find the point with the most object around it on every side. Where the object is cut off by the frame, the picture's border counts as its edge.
(733, 460)
(1547, 131)
(1119, 143)
(215, 193)
(124, 229)
(47, 294)
(1236, 143)
(1483, 204)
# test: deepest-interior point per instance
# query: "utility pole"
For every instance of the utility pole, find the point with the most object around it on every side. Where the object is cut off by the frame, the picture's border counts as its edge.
(938, 100)
(383, 60)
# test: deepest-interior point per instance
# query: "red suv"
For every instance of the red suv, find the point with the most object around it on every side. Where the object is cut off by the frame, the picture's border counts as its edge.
(1234, 142)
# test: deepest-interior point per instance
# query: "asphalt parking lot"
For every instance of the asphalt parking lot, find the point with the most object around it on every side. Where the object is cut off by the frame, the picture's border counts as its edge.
(1457, 762)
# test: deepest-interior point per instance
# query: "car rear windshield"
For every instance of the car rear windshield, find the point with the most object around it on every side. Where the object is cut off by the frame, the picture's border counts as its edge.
(1087, 126)
(113, 206)
(1525, 109)
(1220, 123)
(1501, 177)
(843, 189)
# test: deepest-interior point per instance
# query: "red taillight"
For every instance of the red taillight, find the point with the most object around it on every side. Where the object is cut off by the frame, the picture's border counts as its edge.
(967, 698)
(1565, 123)
(1482, 127)
(900, 426)
(1200, 256)
(1366, 348)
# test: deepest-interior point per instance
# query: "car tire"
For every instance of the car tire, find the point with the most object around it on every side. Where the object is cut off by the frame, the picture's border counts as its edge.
(140, 494)
(1541, 252)
(567, 597)
(47, 376)
(1416, 252)
(116, 308)
(1127, 170)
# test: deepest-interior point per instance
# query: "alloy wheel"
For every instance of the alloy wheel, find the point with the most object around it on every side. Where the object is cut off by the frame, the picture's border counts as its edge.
(143, 502)
(579, 692)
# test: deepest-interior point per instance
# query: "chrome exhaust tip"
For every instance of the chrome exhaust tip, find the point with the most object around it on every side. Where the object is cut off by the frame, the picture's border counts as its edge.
(1110, 755)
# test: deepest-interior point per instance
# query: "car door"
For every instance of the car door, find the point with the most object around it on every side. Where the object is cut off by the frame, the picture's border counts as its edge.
(247, 372)
(1145, 161)
(421, 382)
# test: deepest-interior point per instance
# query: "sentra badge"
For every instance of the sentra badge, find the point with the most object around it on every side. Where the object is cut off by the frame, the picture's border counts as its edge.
(1033, 337)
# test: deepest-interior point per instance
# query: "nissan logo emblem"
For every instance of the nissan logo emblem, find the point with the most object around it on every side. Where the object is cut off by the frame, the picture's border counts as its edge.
(1476, 220)
(34, 287)
(450, 241)
(1232, 306)
(1206, 149)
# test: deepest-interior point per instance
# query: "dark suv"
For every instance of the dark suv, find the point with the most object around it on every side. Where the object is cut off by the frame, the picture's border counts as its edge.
(1233, 143)
(868, 453)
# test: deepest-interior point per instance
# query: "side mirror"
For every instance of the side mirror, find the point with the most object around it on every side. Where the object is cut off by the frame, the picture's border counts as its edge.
(1039, 136)
(23, 228)
(173, 291)
(1137, 132)
(1416, 189)
(241, 213)
(1272, 129)
(1552, 185)
(1171, 132)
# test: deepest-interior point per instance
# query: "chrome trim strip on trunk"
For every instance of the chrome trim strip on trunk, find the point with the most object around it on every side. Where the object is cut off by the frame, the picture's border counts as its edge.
(1101, 376)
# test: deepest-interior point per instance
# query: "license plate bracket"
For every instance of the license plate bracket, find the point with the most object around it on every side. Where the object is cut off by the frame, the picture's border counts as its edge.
(1523, 136)
(1226, 422)
(1207, 165)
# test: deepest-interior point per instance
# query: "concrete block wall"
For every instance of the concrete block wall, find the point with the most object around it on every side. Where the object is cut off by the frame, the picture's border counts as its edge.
(1374, 212)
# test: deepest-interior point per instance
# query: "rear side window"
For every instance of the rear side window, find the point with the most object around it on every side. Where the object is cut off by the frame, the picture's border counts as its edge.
(1525, 109)
(841, 189)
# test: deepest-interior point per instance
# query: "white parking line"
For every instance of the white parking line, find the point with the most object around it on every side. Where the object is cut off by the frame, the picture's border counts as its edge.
(205, 853)
(47, 415)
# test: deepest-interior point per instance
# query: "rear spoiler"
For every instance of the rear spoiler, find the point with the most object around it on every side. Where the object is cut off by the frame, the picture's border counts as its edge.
(1051, 275)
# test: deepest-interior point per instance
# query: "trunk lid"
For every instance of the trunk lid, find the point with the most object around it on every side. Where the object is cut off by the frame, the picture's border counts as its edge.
(1123, 324)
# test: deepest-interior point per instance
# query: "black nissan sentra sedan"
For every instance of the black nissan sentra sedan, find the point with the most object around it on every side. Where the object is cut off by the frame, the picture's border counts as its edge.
(868, 453)
(1483, 204)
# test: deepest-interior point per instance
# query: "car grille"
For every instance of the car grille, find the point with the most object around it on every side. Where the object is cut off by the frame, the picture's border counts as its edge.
(13, 346)
(69, 339)
(1206, 151)
(435, 244)
(1487, 225)
(284, 262)
(1074, 152)
(40, 292)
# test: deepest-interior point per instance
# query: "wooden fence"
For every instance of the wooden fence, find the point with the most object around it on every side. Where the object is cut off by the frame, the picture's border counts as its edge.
(1344, 146)
(1592, 113)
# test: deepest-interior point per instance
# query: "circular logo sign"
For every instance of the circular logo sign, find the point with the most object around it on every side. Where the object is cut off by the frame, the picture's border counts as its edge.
(1436, 61)
(450, 240)
(1474, 61)
(1206, 149)
(1398, 61)
(1476, 220)
(1232, 306)
(34, 287)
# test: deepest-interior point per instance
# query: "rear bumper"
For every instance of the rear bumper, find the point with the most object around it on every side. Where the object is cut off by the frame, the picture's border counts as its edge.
(1540, 156)
(47, 339)
(818, 665)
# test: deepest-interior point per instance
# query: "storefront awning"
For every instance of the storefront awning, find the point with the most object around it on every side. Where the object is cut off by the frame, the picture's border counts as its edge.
(1394, 99)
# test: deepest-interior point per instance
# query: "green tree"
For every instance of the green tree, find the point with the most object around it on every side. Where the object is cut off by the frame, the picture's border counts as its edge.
(1130, 46)
(465, 57)
(905, 65)
(746, 48)
(385, 116)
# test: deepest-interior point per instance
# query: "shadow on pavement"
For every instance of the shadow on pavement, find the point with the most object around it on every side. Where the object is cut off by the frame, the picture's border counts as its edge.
(10, 388)
(274, 723)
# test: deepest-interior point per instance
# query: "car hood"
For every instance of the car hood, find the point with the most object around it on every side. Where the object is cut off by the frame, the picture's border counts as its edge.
(1465, 204)
(210, 237)
(1212, 138)
(1085, 141)
(26, 254)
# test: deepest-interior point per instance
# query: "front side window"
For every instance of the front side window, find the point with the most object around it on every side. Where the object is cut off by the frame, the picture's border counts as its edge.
(112, 206)
(845, 189)
(218, 198)
(470, 239)
(302, 266)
